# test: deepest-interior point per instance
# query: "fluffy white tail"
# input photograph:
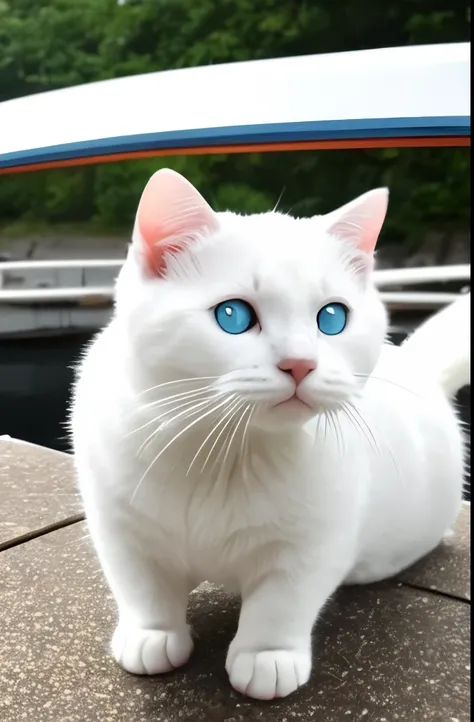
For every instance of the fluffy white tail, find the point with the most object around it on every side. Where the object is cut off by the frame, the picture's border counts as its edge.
(443, 343)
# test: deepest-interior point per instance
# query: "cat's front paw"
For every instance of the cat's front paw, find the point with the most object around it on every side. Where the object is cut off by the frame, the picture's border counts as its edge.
(151, 651)
(268, 674)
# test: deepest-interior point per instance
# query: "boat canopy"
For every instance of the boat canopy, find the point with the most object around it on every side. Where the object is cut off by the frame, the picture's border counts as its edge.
(407, 96)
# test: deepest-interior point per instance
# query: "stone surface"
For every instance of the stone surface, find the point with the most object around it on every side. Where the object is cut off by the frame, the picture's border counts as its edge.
(395, 651)
(36, 489)
(382, 653)
(448, 570)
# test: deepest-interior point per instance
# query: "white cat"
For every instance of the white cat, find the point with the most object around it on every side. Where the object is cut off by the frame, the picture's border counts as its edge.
(242, 421)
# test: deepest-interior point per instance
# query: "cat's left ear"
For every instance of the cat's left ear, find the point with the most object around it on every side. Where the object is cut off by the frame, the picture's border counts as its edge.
(171, 216)
(361, 220)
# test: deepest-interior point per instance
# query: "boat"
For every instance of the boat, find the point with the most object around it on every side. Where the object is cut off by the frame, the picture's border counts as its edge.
(390, 97)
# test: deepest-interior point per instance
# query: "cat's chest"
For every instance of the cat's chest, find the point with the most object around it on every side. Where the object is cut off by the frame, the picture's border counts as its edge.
(201, 504)
(217, 532)
(232, 514)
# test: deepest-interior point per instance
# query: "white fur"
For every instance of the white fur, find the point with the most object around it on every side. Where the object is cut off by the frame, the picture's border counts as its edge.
(450, 361)
(293, 501)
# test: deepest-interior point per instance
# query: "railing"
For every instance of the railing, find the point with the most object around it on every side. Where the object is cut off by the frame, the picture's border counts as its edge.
(418, 276)
(58, 264)
(426, 274)
(81, 294)
(100, 295)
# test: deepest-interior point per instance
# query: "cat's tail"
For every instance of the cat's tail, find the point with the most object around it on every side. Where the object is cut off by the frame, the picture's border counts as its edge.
(443, 345)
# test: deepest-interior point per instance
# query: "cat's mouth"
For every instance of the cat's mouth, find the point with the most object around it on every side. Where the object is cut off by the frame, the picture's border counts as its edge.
(293, 402)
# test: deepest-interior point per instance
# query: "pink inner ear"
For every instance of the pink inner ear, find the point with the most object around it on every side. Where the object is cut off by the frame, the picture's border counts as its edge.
(170, 214)
(361, 220)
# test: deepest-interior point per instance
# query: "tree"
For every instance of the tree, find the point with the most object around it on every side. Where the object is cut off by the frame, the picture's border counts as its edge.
(67, 42)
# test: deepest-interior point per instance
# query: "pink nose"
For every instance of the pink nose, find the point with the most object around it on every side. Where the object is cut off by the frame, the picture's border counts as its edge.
(299, 368)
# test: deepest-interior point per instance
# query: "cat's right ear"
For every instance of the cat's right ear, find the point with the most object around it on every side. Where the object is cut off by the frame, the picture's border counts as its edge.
(361, 220)
(171, 215)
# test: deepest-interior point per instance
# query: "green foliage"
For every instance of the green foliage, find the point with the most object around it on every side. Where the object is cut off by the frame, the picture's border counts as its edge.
(51, 45)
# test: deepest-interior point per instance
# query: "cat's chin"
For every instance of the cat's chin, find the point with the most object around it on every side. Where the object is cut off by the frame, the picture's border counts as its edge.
(286, 414)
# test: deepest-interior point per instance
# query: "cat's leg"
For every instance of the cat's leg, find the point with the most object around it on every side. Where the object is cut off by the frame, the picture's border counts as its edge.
(152, 636)
(270, 655)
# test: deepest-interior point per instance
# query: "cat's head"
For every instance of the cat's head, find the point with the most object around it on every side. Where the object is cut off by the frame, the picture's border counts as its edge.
(278, 314)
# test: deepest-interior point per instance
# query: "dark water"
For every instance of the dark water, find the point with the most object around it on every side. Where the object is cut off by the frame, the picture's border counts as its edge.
(35, 378)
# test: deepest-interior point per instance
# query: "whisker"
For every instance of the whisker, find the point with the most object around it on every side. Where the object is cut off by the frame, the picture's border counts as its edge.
(348, 410)
(364, 423)
(330, 427)
(187, 411)
(338, 432)
(175, 438)
(224, 444)
(193, 397)
(325, 425)
(167, 399)
(235, 411)
(316, 433)
(387, 446)
(214, 428)
(178, 381)
(279, 199)
(242, 416)
(244, 445)
(387, 381)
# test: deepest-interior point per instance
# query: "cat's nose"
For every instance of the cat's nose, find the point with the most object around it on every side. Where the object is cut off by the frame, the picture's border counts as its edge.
(299, 368)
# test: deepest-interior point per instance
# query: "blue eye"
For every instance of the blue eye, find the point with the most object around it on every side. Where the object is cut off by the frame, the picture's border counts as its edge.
(235, 316)
(332, 319)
